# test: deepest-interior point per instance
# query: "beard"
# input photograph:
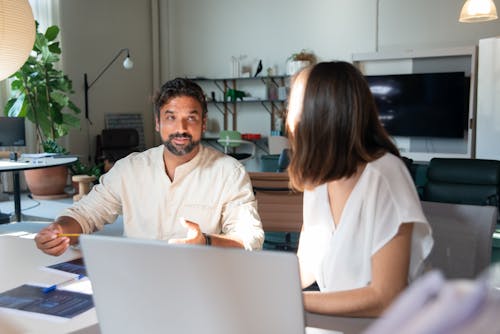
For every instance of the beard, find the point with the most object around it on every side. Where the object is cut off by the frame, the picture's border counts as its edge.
(180, 150)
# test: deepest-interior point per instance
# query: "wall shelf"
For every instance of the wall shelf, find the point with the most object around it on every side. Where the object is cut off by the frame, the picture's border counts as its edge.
(230, 108)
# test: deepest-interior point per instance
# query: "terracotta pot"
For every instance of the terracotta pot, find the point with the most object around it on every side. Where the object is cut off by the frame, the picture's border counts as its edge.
(46, 183)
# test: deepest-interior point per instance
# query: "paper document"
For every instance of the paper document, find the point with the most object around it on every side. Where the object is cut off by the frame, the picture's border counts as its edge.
(59, 303)
(74, 266)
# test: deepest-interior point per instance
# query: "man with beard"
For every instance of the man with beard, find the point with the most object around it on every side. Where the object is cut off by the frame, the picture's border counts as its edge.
(180, 191)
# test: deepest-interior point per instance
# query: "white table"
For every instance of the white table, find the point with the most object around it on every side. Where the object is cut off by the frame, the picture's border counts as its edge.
(30, 163)
(20, 261)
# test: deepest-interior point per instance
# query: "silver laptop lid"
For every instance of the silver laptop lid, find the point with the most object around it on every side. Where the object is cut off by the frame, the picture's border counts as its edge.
(148, 286)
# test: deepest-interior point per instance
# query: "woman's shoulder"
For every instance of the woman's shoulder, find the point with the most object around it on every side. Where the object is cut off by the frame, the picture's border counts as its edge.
(388, 165)
(391, 175)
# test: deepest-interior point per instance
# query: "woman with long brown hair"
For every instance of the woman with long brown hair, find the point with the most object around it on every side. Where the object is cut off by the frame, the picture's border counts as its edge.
(364, 235)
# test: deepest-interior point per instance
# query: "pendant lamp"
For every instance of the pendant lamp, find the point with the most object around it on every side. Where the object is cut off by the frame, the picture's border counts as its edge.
(478, 11)
(17, 35)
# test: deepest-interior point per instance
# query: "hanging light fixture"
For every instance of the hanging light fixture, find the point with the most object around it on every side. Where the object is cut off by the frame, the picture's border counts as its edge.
(17, 35)
(478, 11)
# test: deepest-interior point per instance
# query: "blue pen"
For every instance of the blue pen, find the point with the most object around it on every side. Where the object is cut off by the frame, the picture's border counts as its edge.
(55, 286)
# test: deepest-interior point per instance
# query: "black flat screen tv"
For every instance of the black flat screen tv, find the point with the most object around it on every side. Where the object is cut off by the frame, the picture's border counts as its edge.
(423, 104)
(12, 131)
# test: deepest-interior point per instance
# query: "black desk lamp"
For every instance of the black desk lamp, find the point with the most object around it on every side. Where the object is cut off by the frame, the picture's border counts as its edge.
(127, 64)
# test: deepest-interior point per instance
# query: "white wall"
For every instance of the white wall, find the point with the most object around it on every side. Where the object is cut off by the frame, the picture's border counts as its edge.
(203, 35)
(488, 94)
(198, 38)
(92, 33)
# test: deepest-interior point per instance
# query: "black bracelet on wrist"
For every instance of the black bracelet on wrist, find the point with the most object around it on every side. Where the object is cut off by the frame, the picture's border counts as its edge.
(208, 239)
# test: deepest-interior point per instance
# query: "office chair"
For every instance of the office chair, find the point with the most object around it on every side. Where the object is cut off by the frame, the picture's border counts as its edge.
(463, 181)
(283, 160)
(114, 144)
(462, 237)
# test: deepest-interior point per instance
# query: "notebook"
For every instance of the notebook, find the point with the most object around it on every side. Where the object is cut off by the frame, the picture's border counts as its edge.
(149, 286)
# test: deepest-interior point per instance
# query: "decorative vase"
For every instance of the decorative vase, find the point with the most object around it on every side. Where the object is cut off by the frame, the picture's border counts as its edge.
(293, 66)
(47, 183)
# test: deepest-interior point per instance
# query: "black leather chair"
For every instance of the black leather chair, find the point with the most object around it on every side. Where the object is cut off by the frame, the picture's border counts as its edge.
(114, 144)
(463, 181)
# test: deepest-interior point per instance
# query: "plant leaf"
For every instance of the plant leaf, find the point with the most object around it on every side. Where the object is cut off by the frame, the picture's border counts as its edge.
(71, 120)
(73, 107)
(54, 48)
(59, 98)
(51, 33)
(8, 106)
(18, 108)
(42, 91)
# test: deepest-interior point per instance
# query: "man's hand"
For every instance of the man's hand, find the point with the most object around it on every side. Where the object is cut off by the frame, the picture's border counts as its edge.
(47, 240)
(194, 234)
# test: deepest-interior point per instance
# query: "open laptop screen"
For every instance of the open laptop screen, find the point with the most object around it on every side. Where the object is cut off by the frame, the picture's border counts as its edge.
(148, 286)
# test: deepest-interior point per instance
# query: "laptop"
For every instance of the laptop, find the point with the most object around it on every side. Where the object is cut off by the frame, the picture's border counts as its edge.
(149, 286)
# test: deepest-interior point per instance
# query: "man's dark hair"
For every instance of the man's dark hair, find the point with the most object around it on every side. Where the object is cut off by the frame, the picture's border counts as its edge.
(179, 87)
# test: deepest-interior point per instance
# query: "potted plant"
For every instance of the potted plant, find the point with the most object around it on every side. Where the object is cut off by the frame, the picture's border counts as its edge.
(40, 93)
(299, 60)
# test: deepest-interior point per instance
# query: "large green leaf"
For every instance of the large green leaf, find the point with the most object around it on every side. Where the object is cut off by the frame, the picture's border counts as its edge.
(17, 107)
(52, 58)
(56, 113)
(73, 107)
(59, 98)
(8, 106)
(40, 41)
(71, 120)
(16, 85)
(51, 33)
(54, 48)
(45, 52)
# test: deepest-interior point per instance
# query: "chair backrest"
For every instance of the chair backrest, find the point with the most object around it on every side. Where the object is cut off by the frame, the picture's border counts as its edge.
(463, 181)
(279, 207)
(284, 160)
(119, 138)
(462, 237)
(114, 144)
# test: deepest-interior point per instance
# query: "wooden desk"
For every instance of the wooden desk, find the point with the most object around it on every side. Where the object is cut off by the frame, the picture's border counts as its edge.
(29, 163)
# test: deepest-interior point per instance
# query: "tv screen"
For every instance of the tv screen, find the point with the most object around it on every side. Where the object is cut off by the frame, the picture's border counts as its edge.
(422, 105)
(12, 132)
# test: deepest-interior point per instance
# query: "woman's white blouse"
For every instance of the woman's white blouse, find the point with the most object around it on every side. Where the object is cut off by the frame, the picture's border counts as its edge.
(383, 198)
